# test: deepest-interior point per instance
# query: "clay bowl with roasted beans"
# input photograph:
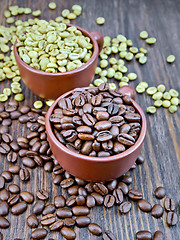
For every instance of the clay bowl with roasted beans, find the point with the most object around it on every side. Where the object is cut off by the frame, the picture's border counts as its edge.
(95, 133)
(51, 85)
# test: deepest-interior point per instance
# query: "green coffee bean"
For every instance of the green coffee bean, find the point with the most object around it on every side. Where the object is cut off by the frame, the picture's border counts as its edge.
(167, 96)
(143, 59)
(143, 84)
(49, 102)
(59, 19)
(7, 91)
(38, 104)
(122, 69)
(122, 84)
(172, 109)
(157, 96)
(170, 59)
(100, 20)
(129, 43)
(122, 54)
(166, 103)
(175, 101)
(103, 56)
(120, 62)
(143, 34)
(103, 73)
(151, 109)
(3, 97)
(140, 89)
(36, 13)
(16, 79)
(27, 10)
(138, 55)
(158, 103)
(150, 40)
(132, 76)
(77, 8)
(16, 90)
(112, 86)
(104, 79)
(10, 20)
(98, 82)
(114, 49)
(122, 47)
(110, 72)
(7, 14)
(118, 75)
(151, 90)
(129, 56)
(115, 67)
(98, 70)
(103, 63)
(134, 50)
(125, 79)
(71, 16)
(143, 50)
(161, 88)
(173, 93)
(52, 5)
(19, 97)
(112, 61)
(121, 38)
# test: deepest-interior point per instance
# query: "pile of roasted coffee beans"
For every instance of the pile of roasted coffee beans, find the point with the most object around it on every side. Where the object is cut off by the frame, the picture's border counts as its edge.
(72, 208)
(96, 122)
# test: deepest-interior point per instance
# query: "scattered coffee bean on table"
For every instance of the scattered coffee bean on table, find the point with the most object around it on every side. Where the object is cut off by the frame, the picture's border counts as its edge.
(172, 218)
(158, 235)
(157, 211)
(95, 229)
(143, 235)
(160, 192)
(108, 235)
(169, 204)
(144, 205)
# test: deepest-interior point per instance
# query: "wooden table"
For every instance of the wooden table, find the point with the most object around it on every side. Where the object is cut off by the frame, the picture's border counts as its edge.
(161, 147)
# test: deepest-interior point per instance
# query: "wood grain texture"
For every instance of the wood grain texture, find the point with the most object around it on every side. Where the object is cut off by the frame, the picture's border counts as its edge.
(161, 147)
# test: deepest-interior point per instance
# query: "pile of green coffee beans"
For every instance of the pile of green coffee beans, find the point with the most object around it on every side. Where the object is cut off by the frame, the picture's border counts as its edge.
(54, 47)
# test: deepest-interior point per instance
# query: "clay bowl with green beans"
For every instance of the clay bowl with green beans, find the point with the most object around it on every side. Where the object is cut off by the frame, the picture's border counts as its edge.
(57, 70)
(95, 168)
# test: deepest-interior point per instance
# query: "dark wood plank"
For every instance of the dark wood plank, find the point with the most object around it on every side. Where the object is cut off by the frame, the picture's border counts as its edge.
(161, 147)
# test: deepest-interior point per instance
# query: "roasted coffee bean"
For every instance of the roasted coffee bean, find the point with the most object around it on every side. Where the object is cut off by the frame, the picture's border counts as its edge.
(108, 235)
(132, 117)
(98, 198)
(28, 162)
(73, 190)
(48, 166)
(100, 188)
(80, 210)
(49, 209)
(57, 179)
(134, 194)
(86, 147)
(125, 207)
(1, 236)
(4, 195)
(39, 233)
(13, 188)
(126, 179)
(32, 221)
(102, 125)
(14, 169)
(95, 229)
(71, 201)
(169, 204)
(64, 212)
(4, 148)
(38, 207)
(24, 174)
(83, 221)
(89, 187)
(67, 182)
(117, 120)
(7, 176)
(160, 192)
(103, 154)
(15, 115)
(158, 235)
(125, 128)
(58, 169)
(6, 122)
(56, 225)
(4, 223)
(27, 196)
(4, 208)
(157, 211)
(12, 157)
(84, 129)
(42, 194)
(126, 139)
(102, 115)
(1, 107)
(144, 205)
(118, 147)
(23, 118)
(19, 208)
(48, 219)
(107, 146)
(90, 201)
(59, 201)
(172, 218)
(144, 235)
(69, 222)
(13, 199)
(22, 152)
(123, 187)
(7, 138)
(96, 100)
(109, 200)
(118, 194)
(88, 120)
(140, 159)
(113, 109)
(2, 182)
(104, 136)
(24, 109)
(68, 233)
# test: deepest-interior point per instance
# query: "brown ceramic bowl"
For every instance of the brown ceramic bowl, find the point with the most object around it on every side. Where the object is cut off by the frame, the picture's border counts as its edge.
(52, 85)
(94, 168)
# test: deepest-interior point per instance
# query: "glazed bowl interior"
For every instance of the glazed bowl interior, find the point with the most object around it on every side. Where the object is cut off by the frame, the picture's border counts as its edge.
(116, 157)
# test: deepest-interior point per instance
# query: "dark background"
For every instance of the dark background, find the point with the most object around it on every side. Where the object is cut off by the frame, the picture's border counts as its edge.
(161, 147)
